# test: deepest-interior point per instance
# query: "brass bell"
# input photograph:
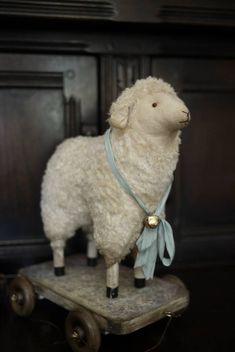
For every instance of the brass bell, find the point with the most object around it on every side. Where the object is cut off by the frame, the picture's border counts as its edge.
(151, 221)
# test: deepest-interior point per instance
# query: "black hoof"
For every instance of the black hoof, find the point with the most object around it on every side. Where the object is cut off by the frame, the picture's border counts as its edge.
(139, 283)
(59, 271)
(112, 292)
(91, 261)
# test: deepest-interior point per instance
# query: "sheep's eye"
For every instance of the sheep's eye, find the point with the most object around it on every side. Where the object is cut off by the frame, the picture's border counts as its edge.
(154, 105)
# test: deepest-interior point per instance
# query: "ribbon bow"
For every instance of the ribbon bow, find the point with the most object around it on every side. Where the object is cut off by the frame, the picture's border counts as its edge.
(155, 238)
(151, 243)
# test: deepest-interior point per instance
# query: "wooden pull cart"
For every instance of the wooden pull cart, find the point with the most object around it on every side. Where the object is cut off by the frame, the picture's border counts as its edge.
(82, 292)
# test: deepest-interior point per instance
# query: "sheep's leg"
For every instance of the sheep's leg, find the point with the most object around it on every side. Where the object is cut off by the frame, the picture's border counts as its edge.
(112, 280)
(58, 257)
(139, 277)
(91, 252)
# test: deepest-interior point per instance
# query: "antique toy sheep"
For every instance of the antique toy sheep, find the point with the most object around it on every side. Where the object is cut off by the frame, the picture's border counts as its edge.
(81, 190)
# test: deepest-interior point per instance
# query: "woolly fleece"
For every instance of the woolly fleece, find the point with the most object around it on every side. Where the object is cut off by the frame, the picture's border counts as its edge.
(79, 189)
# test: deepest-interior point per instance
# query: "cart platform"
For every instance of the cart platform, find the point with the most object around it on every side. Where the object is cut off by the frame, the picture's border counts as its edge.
(84, 286)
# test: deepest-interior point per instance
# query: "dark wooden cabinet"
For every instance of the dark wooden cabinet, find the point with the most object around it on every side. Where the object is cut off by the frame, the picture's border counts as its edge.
(60, 69)
(43, 100)
(205, 183)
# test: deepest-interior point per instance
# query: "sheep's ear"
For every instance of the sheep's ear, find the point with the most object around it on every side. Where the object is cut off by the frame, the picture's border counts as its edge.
(119, 118)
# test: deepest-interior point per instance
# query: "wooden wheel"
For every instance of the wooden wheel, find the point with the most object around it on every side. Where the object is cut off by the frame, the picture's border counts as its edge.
(82, 331)
(174, 280)
(22, 296)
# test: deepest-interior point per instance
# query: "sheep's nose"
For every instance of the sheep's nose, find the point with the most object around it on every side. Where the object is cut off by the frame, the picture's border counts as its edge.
(187, 113)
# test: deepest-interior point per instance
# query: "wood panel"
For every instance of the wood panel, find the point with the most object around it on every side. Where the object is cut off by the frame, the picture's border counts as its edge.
(89, 9)
(28, 137)
(43, 99)
(119, 72)
(204, 195)
(203, 12)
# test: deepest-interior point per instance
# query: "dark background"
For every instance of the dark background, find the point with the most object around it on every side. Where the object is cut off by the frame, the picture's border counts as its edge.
(61, 66)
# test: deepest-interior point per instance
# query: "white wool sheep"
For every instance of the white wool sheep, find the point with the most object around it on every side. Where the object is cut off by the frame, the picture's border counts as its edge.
(80, 191)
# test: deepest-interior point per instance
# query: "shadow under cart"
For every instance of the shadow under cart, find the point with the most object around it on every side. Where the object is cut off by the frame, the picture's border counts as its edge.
(82, 292)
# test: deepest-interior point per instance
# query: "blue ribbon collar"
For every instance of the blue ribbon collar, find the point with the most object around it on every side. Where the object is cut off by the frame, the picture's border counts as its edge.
(157, 234)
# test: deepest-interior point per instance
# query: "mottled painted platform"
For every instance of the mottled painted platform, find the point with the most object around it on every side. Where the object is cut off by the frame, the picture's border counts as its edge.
(85, 286)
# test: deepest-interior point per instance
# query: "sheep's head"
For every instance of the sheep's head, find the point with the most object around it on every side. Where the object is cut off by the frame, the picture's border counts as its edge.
(150, 105)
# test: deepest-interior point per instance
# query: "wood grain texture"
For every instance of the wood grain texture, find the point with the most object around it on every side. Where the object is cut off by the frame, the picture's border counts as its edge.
(204, 186)
(90, 9)
(39, 107)
(131, 11)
